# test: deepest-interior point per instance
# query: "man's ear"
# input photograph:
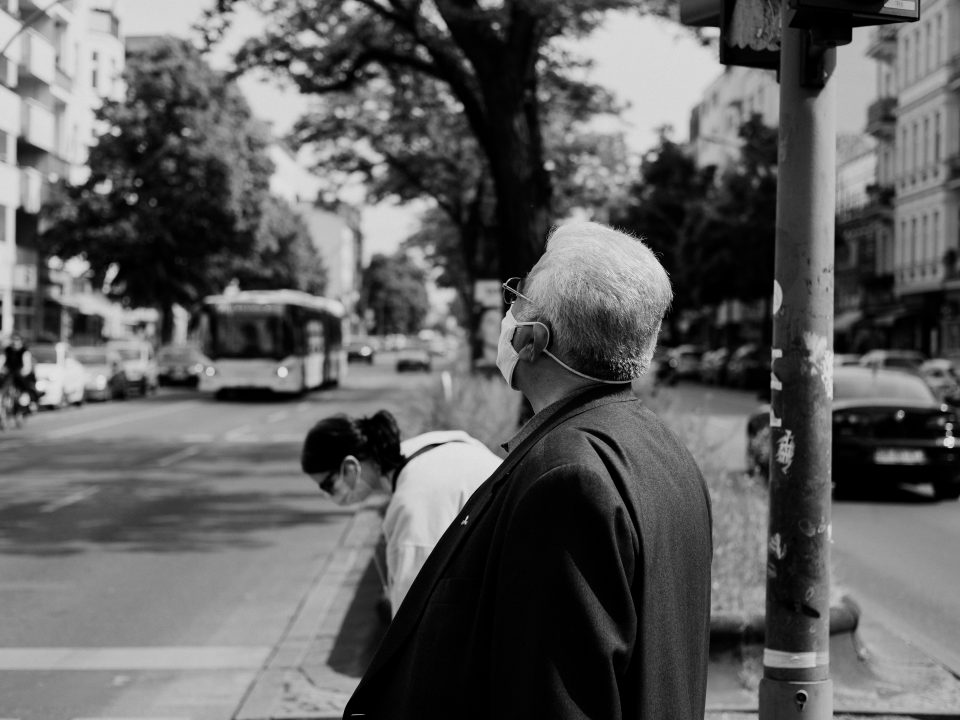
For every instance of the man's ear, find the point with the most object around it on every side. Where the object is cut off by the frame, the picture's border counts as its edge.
(533, 340)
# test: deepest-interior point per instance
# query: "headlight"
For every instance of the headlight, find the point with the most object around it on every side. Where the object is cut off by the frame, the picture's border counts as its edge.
(198, 368)
(282, 372)
(210, 371)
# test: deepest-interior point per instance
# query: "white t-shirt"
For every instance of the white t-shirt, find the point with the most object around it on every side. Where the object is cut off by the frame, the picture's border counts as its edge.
(430, 492)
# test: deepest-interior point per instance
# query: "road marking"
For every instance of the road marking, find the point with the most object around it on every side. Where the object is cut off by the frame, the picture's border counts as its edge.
(111, 421)
(168, 460)
(239, 657)
(238, 434)
(277, 416)
(68, 500)
(132, 718)
(197, 438)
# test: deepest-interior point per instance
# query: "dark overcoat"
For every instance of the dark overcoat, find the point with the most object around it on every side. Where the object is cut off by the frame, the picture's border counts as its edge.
(575, 583)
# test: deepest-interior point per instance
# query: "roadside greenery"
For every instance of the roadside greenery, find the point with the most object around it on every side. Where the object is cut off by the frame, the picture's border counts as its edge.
(487, 409)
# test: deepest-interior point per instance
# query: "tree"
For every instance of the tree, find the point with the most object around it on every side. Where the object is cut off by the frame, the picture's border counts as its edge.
(665, 207)
(178, 177)
(283, 254)
(488, 55)
(394, 290)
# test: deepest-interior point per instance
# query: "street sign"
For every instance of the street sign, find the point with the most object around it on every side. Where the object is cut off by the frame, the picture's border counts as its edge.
(700, 13)
(851, 13)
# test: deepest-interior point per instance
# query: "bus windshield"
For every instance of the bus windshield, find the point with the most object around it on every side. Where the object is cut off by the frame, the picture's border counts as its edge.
(248, 335)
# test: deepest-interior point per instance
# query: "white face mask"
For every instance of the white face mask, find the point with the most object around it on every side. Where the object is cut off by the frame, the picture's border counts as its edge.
(341, 492)
(507, 356)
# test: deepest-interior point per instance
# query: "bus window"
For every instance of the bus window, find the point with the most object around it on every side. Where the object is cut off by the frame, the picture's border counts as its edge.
(314, 337)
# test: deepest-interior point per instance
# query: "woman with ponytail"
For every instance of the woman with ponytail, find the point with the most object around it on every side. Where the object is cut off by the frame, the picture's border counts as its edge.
(428, 479)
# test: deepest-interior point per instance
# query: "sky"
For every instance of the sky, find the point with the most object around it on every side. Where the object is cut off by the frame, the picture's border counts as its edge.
(652, 65)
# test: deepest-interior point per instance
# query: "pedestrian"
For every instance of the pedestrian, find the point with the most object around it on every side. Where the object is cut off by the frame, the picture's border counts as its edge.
(575, 582)
(18, 366)
(428, 479)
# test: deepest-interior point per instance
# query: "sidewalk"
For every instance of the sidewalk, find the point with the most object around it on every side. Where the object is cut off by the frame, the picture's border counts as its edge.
(330, 641)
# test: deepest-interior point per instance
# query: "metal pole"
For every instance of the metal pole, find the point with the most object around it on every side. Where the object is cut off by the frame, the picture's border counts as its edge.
(796, 680)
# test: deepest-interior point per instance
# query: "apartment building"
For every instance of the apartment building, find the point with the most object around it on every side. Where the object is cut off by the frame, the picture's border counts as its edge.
(59, 61)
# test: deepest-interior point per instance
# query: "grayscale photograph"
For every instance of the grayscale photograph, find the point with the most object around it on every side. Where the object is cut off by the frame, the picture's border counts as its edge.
(479, 359)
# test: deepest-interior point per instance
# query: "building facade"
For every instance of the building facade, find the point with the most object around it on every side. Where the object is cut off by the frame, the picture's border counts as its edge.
(60, 60)
(916, 120)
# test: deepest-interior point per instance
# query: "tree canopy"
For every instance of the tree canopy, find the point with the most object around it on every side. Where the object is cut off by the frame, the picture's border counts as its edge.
(489, 57)
(393, 290)
(179, 177)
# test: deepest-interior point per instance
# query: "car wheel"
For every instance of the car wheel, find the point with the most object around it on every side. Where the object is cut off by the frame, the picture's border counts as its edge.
(946, 489)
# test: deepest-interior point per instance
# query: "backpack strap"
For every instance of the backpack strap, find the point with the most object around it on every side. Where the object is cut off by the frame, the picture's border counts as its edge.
(406, 460)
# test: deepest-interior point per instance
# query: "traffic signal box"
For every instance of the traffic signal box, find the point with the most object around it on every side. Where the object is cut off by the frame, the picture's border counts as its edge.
(750, 29)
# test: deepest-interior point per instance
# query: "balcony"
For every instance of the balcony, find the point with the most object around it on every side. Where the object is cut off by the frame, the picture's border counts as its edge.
(9, 188)
(882, 117)
(9, 111)
(9, 26)
(38, 57)
(952, 180)
(953, 70)
(883, 43)
(880, 200)
(33, 190)
(104, 21)
(37, 126)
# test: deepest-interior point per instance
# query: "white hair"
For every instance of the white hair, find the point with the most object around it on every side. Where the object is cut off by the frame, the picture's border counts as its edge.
(603, 294)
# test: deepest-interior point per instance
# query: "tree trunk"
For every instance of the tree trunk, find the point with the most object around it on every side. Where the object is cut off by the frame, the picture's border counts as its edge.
(166, 323)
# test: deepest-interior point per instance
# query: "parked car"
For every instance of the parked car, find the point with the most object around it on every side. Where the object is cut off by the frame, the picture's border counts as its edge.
(713, 366)
(60, 377)
(360, 351)
(104, 378)
(180, 365)
(906, 359)
(683, 363)
(749, 367)
(943, 379)
(888, 426)
(840, 359)
(139, 364)
(414, 358)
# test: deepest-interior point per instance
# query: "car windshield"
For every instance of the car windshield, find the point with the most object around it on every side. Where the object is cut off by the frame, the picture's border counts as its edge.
(175, 354)
(881, 385)
(129, 353)
(44, 353)
(91, 356)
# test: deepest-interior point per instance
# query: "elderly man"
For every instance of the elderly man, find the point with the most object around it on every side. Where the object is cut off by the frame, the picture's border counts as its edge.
(575, 583)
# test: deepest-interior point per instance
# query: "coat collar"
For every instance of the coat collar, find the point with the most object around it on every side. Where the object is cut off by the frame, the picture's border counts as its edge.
(410, 611)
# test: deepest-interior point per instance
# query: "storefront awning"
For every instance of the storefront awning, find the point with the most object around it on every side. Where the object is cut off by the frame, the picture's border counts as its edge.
(842, 322)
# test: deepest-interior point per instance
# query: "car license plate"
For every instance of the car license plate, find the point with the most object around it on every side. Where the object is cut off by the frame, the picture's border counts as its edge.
(899, 457)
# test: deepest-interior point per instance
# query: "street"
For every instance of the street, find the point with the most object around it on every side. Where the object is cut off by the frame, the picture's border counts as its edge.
(153, 551)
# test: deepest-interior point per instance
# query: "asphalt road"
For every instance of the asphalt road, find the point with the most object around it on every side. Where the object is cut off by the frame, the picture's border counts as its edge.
(153, 551)
(895, 550)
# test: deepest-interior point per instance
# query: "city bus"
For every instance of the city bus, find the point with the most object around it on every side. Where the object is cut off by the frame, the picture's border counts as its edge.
(286, 341)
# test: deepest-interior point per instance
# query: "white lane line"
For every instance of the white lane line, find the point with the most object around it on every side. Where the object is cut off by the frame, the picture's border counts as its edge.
(239, 434)
(132, 718)
(277, 416)
(168, 460)
(240, 657)
(70, 499)
(199, 438)
(111, 421)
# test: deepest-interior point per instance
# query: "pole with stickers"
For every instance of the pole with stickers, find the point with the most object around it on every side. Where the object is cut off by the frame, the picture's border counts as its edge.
(799, 38)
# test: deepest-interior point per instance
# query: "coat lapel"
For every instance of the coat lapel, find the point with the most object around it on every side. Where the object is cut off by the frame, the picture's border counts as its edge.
(415, 602)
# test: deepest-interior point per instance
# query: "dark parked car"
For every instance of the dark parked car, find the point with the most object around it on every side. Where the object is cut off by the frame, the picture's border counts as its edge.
(749, 367)
(360, 351)
(180, 365)
(713, 366)
(414, 358)
(888, 423)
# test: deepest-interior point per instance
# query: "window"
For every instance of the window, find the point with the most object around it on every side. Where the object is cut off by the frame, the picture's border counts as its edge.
(926, 143)
(912, 259)
(939, 40)
(906, 59)
(937, 238)
(4, 155)
(937, 140)
(94, 69)
(3, 224)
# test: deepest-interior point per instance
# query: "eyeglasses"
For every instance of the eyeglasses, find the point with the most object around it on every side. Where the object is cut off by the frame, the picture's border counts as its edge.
(511, 291)
(329, 481)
